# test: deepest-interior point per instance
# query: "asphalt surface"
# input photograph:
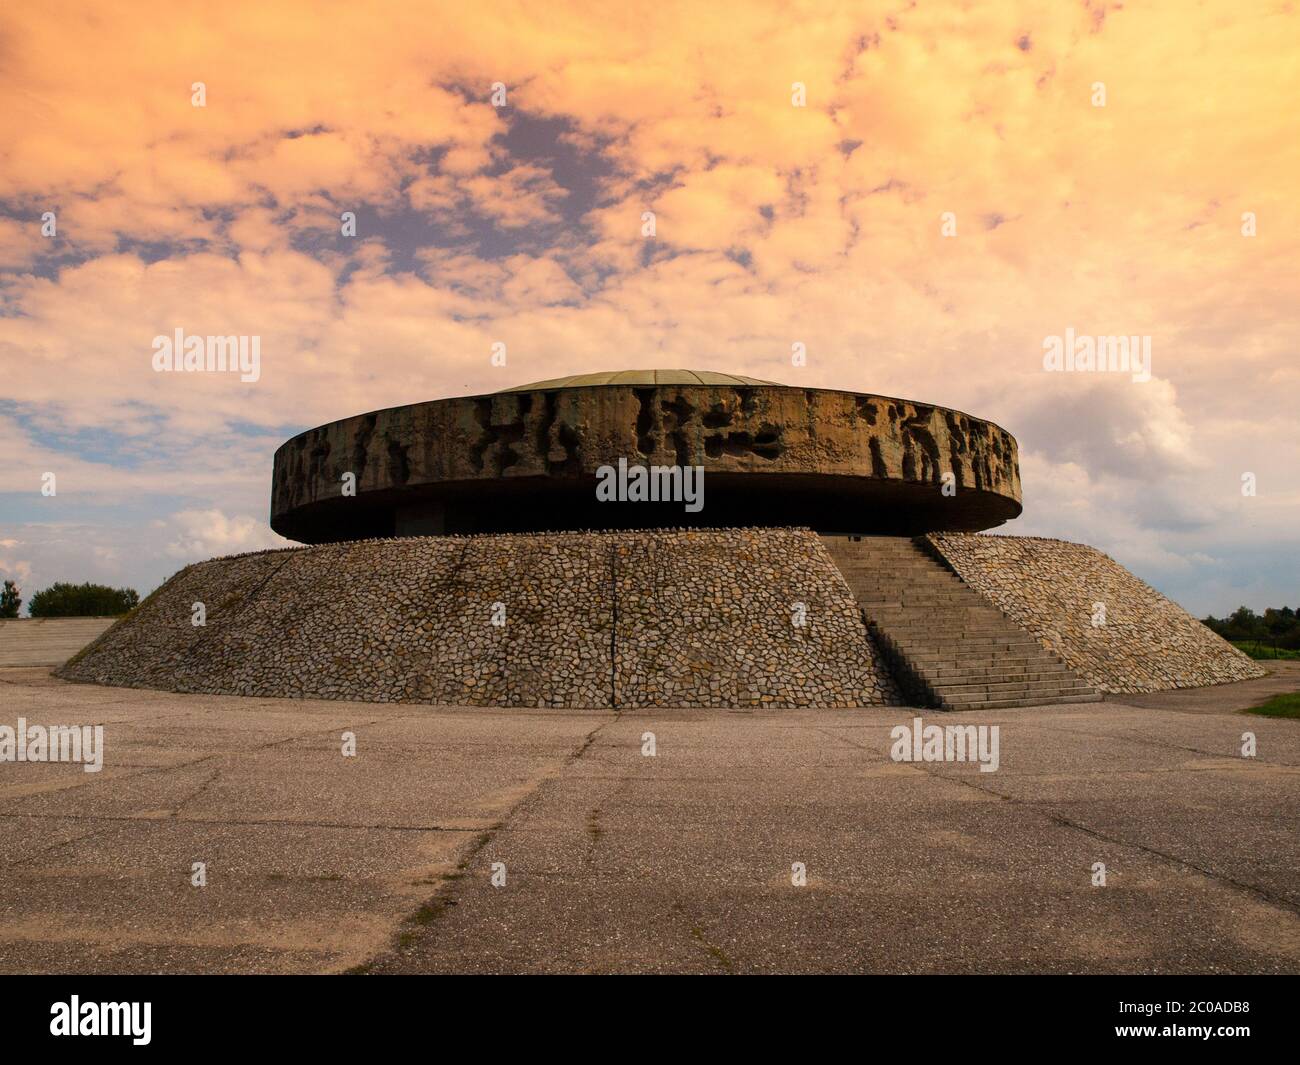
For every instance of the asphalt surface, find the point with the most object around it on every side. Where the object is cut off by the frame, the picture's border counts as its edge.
(615, 861)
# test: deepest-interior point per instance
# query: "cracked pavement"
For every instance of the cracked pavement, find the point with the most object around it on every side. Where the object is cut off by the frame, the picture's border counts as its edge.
(618, 862)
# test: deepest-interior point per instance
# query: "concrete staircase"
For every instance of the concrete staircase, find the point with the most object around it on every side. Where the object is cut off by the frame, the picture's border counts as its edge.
(46, 641)
(949, 646)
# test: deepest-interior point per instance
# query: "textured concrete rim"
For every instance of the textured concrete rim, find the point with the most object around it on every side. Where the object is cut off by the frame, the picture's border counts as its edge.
(553, 386)
(526, 459)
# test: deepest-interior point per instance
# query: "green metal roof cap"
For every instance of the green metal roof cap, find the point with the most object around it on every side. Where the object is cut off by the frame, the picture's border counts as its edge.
(640, 377)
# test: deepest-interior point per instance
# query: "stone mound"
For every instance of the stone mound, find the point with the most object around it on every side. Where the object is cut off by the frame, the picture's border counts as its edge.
(1141, 641)
(624, 619)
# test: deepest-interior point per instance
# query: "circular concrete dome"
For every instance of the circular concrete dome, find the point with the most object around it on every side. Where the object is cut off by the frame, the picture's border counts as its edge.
(528, 458)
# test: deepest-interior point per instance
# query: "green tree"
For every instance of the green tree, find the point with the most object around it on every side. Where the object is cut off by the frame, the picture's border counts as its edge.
(62, 600)
(1245, 624)
(1283, 628)
(1277, 627)
(10, 600)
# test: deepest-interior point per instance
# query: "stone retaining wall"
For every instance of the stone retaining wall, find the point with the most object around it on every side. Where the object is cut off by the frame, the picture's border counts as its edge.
(664, 618)
(1051, 587)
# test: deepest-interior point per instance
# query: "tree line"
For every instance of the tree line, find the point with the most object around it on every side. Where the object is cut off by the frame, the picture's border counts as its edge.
(63, 600)
(1279, 626)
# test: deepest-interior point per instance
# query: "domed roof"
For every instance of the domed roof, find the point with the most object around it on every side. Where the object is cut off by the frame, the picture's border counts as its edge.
(640, 377)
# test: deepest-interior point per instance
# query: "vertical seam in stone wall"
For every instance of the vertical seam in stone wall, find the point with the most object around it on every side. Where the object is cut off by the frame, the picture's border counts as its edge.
(613, 627)
(432, 592)
(680, 644)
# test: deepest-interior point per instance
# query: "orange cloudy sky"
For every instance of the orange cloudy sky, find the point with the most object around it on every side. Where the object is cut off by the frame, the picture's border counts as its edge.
(775, 225)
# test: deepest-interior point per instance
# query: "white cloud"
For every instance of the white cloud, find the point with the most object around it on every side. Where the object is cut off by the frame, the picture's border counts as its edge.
(201, 534)
(1116, 220)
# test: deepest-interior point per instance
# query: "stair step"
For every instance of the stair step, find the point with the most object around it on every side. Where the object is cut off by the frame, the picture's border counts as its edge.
(1000, 704)
(957, 652)
(46, 641)
(1017, 691)
(1012, 687)
(885, 567)
(972, 628)
(900, 564)
(898, 574)
(952, 639)
(879, 589)
(995, 671)
(930, 639)
(946, 620)
(925, 646)
(992, 662)
(924, 650)
(883, 586)
(921, 647)
(896, 604)
(940, 607)
(1034, 665)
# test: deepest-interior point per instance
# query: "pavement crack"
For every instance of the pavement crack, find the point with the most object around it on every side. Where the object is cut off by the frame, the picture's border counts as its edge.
(702, 940)
(1141, 739)
(1066, 822)
(94, 831)
(417, 925)
(1268, 896)
(212, 779)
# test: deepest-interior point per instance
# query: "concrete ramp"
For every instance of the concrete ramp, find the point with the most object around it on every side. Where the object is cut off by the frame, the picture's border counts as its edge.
(46, 641)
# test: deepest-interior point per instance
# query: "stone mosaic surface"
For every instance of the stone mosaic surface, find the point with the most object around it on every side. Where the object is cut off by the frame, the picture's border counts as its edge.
(664, 618)
(1052, 589)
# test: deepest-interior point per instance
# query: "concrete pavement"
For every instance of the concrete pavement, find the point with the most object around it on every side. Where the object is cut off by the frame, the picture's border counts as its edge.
(618, 862)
